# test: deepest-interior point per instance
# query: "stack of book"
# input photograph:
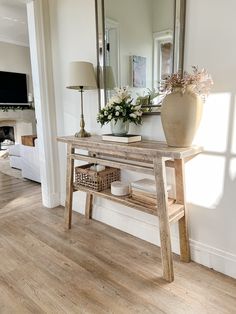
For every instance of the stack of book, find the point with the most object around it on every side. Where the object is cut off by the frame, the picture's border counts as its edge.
(129, 138)
(145, 191)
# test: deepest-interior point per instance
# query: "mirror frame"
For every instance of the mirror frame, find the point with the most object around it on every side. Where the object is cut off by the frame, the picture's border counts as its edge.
(178, 44)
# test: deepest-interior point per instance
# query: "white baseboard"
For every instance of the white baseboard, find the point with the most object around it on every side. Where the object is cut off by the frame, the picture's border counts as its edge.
(146, 227)
(214, 258)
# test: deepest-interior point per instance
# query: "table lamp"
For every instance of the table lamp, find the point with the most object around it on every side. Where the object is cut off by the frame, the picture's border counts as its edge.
(81, 77)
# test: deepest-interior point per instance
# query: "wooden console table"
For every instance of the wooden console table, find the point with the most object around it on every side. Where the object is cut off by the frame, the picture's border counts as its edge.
(148, 157)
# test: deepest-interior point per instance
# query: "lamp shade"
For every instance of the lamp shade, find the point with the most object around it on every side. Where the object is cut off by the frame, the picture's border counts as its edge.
(81, 74)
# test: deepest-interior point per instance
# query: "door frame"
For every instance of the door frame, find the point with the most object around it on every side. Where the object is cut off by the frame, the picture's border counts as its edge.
(44, 98)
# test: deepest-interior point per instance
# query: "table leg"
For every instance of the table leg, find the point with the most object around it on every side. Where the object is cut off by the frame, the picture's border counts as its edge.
(89, 205)
(162, 205)
(69, 186)
(180, 199)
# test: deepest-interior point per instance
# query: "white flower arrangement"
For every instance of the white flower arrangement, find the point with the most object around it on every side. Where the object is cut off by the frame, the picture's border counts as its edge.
(120, 106)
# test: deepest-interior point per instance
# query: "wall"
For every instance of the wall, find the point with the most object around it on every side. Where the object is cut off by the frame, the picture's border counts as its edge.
(135, 38)
(15, 58)
(210, 28)
(73, 38)
(210, 177)
(163, 13)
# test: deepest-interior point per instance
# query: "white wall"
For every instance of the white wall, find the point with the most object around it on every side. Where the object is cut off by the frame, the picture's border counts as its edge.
(135, 34)
(210, 177)
(15, 58)
(163, 13)
(73, 38)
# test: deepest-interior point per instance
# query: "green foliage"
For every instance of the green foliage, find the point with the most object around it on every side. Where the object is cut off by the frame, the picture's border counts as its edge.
(5, 108)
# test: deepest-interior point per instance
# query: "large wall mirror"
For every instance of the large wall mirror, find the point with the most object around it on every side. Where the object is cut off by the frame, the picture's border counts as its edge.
(139, 43)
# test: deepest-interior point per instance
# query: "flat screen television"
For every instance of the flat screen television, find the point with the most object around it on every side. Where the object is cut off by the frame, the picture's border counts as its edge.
(13, 88)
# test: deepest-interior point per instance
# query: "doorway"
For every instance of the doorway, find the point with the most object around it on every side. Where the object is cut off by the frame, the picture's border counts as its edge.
(40, 94)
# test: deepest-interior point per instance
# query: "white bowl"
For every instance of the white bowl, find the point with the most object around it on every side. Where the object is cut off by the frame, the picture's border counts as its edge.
(119, 188)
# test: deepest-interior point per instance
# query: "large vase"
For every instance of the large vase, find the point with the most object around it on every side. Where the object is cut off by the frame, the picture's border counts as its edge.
(119, 127)
(180, 116)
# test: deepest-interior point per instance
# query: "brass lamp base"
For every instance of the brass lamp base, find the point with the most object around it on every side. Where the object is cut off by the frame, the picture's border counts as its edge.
(82, 133)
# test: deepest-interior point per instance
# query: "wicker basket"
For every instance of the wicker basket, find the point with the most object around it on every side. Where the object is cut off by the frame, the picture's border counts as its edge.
(94, 180)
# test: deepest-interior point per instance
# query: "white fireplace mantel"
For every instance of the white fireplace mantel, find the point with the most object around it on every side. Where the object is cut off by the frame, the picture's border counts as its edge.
(24, 122)
(18, 115)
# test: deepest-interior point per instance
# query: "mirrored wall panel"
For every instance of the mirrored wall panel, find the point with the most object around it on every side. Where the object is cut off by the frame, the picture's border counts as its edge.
(140, 42)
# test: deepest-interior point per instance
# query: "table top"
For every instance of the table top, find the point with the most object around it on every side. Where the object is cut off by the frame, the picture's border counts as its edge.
(147, 147)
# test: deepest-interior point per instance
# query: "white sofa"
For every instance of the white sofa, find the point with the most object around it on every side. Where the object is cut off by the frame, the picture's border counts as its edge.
(26, 158)
(15, 157)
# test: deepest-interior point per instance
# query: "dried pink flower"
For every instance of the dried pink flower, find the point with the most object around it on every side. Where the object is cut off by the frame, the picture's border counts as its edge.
(200, 80)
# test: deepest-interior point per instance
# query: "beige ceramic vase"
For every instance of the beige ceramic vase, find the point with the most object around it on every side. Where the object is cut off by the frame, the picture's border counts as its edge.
(180, 116)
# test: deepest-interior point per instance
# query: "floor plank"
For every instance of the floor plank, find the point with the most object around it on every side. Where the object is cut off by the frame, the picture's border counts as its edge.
(92, 268)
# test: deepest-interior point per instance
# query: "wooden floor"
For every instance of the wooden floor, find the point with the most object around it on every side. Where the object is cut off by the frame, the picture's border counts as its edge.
(93, 268)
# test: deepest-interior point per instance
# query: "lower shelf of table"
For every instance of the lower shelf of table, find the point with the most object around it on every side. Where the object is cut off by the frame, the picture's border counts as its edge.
(176, 211)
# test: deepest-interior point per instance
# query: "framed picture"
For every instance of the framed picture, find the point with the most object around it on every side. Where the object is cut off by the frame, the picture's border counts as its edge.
(138, 65)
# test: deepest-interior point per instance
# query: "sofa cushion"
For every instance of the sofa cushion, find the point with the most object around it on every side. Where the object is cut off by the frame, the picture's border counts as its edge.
(30, 162)
(15, 162)
(14, 150)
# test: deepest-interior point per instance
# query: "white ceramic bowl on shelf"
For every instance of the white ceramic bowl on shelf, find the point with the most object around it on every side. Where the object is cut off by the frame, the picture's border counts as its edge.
(120, 188)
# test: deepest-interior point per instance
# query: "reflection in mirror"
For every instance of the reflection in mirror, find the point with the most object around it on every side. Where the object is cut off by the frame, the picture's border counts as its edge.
(140, 42)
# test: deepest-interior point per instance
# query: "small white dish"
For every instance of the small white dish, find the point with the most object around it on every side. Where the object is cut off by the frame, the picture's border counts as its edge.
(120, 188)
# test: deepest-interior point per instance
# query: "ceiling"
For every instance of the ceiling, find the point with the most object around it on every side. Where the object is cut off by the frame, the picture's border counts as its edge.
(13, 22)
